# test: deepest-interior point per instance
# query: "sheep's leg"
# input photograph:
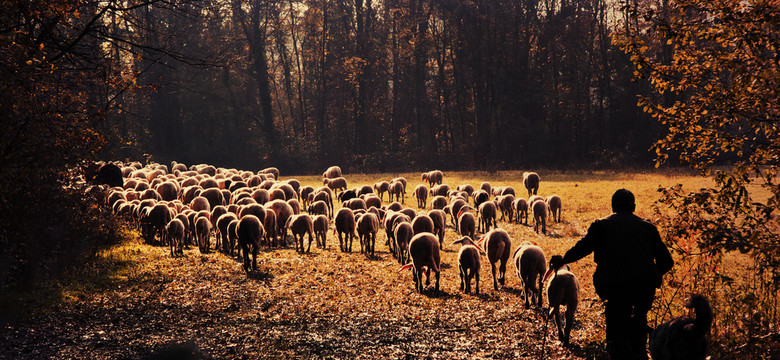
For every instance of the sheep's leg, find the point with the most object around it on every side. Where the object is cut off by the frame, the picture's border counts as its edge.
(493, 271)
(438, 275)
(570, 310)
(428, 276)
(308, 249)
(476, 282)
(254, 257)
(462, 273)
(502, 273)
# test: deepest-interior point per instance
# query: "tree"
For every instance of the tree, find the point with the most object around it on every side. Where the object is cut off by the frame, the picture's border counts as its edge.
(713, 66)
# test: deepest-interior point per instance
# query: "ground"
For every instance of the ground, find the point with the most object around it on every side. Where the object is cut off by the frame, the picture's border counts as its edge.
(141, 302)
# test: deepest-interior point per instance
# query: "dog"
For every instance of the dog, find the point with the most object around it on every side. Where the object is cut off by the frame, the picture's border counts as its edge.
(684, 337)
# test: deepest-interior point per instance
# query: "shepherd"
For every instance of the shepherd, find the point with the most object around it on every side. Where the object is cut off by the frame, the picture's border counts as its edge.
(630, 262)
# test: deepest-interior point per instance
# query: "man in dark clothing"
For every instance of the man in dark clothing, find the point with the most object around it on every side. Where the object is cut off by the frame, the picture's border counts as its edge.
(630, 261)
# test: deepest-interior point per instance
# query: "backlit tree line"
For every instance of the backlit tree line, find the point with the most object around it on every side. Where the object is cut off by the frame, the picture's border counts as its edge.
(378, 85)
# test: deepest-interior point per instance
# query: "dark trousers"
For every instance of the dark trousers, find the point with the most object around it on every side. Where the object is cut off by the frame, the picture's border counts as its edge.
(626, 312)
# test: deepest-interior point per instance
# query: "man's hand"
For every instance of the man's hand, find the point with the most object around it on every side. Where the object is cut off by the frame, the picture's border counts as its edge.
(556, 262)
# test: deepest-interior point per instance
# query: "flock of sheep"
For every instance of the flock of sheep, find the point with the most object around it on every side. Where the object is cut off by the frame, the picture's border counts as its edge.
(242, 210)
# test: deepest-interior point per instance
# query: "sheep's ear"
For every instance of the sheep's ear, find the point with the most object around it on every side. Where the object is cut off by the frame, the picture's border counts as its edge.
(549, 273)
(459, 241)
(405, 267)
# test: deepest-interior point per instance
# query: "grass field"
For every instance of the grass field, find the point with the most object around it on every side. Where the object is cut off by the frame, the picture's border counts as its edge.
(329, 304)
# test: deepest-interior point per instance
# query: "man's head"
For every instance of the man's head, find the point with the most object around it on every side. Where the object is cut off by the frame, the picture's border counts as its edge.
(623, 201)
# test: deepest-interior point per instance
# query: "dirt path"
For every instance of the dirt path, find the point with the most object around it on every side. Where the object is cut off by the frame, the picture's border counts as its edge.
(320, 305)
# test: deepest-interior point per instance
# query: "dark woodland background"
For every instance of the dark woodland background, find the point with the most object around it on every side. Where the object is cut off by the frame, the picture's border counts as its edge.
(368, 85)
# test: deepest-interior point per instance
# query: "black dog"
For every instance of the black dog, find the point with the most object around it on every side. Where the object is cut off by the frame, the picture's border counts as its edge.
(684, 337)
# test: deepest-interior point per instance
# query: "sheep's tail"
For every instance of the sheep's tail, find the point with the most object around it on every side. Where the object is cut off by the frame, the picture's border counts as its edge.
(405, 267)
(703, 312)
(334, 230)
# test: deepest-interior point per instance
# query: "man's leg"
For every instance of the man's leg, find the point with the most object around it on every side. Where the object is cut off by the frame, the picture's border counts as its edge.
(618, 315)
(638, 323)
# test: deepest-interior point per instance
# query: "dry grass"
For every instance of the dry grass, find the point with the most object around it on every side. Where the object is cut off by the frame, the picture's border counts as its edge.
(330, 304)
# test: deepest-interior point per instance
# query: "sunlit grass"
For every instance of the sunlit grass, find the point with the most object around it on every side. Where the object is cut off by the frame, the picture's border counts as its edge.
(339, 288)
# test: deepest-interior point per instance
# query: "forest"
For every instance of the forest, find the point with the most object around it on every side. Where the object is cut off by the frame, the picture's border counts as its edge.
(392, 86)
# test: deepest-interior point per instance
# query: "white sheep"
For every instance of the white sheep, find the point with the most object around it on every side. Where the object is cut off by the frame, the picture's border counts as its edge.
(530, 264)
(468, 264)
(563, 289)
(424, 250)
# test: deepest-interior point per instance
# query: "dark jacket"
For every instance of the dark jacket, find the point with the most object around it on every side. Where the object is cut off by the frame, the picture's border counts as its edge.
(628, 252)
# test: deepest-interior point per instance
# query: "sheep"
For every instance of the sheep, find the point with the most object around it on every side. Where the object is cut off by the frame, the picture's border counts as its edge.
(555, 206)
(364, 190)
(327, 197)
(289, 190)
(422, 223)
(381, 187)
(300, 225)
(321, 225)
(367, 227)
(563, 289)
(355, 204)
(421, 193)
(487, 216)
(345, 224)
(531, 182)
(336, 184)
(540, 216)
(438, 202)
(332, 172)
(168, 191)
(296, 185)
(175, 234)
(202, 234)
(390, 220)
(402, 180)
(468, 264)
(402, 234)
(200, 203)
(498, 246)
(295, 205)
(271, 170)
(467, 224)
(252, 209)
(508, 190)
(249, 231)
(215, 214)
(439, 224)
(159, 216)
(222, 228)
(480, 196)
(269, 224)
(398, 189)
(304, 192)
(504, 203)
(108, 174)
(485, 186)
(521, 208)
(425, 255)
(394, 206)
(454, 209)
(683, 337)
(466, 188)
(276, 194)
(319, 207)
(283, 211)
(347, 195)
(372, 201)
(441, 189)
(150, 194)
(530, 265)
(214, 196)
(433, 177)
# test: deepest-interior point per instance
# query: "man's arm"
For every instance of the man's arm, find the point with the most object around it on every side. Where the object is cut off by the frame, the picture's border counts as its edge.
(663, 259)
(584, 247)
